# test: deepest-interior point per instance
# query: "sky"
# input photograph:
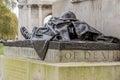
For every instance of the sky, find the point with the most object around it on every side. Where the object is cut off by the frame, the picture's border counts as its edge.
(15, 10)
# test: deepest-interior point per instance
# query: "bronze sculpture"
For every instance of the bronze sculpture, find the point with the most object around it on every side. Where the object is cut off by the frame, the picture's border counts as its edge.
(65, 28)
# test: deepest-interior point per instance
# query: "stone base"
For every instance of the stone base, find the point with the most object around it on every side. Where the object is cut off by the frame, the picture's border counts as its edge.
(54, 55)
(26, 69)
(73, 51)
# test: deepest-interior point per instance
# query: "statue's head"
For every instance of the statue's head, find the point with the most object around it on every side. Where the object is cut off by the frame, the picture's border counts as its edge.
(68, 15)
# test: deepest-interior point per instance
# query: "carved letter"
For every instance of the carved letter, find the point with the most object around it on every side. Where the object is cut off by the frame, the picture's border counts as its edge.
(87, 55)
(68, 56)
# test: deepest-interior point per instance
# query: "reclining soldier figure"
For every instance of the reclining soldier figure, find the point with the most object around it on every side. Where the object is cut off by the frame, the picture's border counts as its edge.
(66, 28)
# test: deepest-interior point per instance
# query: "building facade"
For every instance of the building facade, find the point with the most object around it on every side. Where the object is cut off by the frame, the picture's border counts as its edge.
(32, 13)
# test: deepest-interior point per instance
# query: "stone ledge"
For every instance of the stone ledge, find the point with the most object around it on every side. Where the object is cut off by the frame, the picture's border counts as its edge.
(77, 1)
(61, 56)
(60, 52)
(65, 64)
(22, 52)
(70, 45)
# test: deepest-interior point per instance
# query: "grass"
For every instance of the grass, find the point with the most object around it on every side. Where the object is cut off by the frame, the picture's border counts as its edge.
(1, 49)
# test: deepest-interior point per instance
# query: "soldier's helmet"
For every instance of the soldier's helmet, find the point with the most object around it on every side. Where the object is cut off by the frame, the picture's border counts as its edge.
(68, 16)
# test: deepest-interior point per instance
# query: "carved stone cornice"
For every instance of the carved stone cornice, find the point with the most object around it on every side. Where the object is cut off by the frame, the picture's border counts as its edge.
(20, 6)
(29, 6)
(77, 1)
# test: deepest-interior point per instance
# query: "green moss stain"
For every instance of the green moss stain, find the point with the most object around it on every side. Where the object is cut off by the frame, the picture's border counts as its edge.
(19, 69)
(76, 73)
(15, 69)
(87, 73)
(104, 73)
(1, 49)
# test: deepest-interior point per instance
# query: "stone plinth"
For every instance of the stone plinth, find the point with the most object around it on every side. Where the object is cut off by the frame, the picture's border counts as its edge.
(73, 51)
(74, 60)
(26, 69)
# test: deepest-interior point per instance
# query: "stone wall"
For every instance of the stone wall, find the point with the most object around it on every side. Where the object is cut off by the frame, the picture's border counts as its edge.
(104, 15)
(27, 69)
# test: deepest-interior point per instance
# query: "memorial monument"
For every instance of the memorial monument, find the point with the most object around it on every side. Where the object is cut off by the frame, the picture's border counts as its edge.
(64, 49)
(43, 54)
(64, 28)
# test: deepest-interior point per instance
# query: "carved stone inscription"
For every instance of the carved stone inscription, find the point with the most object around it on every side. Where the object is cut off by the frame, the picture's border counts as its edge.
(21, 52)
(90, 56)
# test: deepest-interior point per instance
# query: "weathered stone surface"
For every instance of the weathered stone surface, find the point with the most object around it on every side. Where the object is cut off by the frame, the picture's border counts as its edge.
(66, 51)
(24, 69)
(22, 52)
(82, 55)
(15, 69)
(68, 45)
(65, 55)
(20, 43)
(77, 1)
